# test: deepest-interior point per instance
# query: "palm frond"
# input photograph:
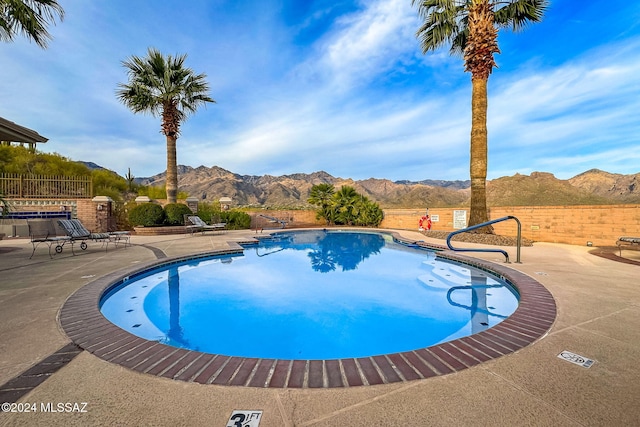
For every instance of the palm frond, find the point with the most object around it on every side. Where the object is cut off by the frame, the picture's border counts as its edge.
(517, 14)
(162, 85)
(29, 18)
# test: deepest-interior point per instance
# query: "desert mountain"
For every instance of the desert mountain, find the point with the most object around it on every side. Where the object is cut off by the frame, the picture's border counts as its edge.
(292, 191)
(614, 186)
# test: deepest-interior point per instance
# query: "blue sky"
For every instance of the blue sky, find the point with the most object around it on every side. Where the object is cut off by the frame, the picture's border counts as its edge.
(339, 86)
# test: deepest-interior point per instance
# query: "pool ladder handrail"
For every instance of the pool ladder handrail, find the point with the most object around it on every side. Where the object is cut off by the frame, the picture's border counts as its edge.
(484, 224)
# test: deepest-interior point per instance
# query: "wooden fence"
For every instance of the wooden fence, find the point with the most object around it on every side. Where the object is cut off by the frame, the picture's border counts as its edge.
(17, 186)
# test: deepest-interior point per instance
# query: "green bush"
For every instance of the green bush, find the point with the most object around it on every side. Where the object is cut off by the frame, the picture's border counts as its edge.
(209, 212)
(236, 220)
(175, 212)
(147, 215)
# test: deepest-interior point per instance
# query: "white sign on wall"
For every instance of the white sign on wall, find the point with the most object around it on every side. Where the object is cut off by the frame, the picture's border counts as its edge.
(435, 218)
(459, 219)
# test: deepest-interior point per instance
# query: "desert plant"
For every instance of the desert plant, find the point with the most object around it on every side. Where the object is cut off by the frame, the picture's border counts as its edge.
(175, 212)
(146, 215)
(130, 180)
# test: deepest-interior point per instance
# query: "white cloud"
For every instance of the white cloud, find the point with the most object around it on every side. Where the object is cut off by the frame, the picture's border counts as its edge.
(364, 45)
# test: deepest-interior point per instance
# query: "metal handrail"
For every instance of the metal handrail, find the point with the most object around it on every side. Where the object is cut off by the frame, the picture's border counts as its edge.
(484, 224)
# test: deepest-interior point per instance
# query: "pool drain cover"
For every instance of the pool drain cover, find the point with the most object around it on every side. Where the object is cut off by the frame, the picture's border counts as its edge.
(576, 358)
(244, 418)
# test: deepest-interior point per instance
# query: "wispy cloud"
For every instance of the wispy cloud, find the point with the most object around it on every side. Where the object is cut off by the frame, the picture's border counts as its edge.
(347, 92)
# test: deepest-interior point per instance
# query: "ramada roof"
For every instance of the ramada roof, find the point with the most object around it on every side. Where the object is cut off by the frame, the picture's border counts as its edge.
(12, 132)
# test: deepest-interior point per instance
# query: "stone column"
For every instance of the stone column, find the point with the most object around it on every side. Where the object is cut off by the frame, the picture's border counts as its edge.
(104, 219)
(192, 203)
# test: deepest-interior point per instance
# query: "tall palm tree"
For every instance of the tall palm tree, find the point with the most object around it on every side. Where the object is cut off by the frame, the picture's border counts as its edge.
(470, 27)
(29, 17)
(164, 86)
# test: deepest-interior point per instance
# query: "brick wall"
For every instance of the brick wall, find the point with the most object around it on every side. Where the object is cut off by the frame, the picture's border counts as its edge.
(87, 214)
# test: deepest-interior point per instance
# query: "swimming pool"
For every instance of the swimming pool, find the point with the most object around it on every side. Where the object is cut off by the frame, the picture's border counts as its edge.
(311, 295)
(81, 319)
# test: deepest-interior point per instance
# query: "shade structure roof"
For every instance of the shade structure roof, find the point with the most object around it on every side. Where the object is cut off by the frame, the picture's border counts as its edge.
(12, 132)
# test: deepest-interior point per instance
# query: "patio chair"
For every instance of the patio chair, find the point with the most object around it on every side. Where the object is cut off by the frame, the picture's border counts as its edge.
(77, 232)
(195, 223)
(117, 237)
(44, 231)
(630, 241)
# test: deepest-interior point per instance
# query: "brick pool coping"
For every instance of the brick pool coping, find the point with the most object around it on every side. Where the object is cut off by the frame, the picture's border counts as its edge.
(82, 321)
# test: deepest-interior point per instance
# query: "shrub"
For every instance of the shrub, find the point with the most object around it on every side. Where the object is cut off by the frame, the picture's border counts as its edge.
(147, 215)
(175, 212)
(236, 220)
(209, 212)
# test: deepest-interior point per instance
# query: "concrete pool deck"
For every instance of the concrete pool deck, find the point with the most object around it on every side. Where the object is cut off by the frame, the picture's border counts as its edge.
(598, 303)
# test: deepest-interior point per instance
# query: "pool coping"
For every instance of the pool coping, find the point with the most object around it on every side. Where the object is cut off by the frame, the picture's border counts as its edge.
(84, 324)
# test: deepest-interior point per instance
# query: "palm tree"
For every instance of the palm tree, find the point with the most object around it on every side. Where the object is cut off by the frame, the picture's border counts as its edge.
(470, 27)
(29, 17)
(345, 204)
(164, 86)
(320, 195)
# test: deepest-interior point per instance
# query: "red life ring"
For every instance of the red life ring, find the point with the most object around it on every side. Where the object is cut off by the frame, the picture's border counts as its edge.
(424, 223)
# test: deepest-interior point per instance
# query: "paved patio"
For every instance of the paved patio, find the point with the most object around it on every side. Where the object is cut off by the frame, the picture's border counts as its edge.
(598, 303)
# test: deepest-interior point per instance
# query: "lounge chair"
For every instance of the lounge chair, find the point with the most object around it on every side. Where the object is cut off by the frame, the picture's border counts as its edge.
(627, 241)
(44, 231)
(77, 232)
(117, 237)
(195, 223)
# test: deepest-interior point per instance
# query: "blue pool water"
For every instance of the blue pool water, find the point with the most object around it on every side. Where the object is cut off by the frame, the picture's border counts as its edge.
(311, 295)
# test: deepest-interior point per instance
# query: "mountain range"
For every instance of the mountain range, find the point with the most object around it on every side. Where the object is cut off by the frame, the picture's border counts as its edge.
(291, 191)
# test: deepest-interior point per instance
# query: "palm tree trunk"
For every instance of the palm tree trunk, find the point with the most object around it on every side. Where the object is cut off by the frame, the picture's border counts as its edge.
(478, 161)
(171, 184)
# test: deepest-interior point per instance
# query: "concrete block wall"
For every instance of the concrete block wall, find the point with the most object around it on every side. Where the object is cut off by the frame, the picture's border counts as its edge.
(294, 218)
(575, 225)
